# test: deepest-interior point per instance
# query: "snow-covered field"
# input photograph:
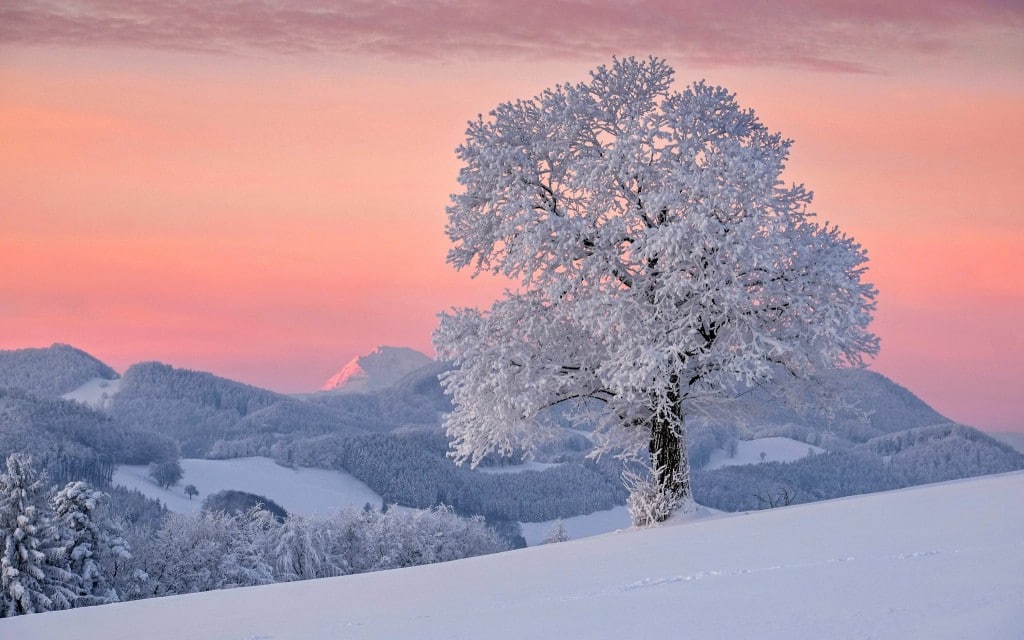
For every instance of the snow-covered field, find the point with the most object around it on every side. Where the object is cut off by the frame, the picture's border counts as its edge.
(749, 452)
(94, 392)
(578, 527)
(302, 490)
(518, 468)
(942, 561)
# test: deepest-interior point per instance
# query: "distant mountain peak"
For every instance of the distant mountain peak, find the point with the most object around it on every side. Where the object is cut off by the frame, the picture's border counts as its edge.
(378, 369)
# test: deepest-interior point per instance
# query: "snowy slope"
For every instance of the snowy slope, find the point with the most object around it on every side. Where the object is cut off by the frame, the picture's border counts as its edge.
(376, 370)
(939, 562)
(303, 491)
(95, 392)
(749, 452)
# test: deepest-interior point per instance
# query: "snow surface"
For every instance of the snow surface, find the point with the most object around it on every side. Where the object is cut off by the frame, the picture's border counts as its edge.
(577, 527)
(531, 465)
(302, 490)
(95, 392)
(749, 452)
(942, 561)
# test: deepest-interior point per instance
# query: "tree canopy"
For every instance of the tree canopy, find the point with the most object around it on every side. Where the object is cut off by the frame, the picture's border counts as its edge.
(660, 259)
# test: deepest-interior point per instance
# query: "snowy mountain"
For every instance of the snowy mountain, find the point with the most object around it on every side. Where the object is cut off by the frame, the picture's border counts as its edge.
(940, 562)
(378, 369)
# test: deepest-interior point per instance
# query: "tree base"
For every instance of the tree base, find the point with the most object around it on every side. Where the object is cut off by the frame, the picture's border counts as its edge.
(649, 503)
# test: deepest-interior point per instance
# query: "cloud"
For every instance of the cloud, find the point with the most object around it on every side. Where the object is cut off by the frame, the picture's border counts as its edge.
(844, 35)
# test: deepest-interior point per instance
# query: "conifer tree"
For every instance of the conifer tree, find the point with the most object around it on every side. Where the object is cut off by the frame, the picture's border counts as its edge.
(33, 575)
(86, 541)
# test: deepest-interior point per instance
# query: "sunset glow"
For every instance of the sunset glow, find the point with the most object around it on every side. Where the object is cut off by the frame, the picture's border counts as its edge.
(266, 199)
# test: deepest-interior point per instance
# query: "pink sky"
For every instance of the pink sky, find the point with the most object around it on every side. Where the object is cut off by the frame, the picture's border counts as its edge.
(259, 191)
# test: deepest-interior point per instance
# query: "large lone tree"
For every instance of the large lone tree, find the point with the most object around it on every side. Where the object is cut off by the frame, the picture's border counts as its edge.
(660, 260)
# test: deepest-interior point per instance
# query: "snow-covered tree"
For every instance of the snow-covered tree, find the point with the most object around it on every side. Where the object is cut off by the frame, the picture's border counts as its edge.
(167, 473)
(557, 533)
(86, 541)
(33, 576)
(247, 563)
(303, 550)
(660, 259)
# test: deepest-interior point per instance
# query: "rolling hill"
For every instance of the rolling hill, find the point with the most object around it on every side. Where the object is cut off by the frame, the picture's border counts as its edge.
(943, 562)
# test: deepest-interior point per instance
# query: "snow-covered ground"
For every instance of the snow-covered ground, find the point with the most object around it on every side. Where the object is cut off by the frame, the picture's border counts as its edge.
(95, 392)
(531, 465)
(310, 491)
(592, 524)
(942, 561)
(749, 452)
(302, 490)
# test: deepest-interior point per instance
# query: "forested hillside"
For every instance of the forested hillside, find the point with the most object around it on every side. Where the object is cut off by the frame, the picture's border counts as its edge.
(70, 441)
(877, 435)
(893, 461)
(50, 372)
(194, 408)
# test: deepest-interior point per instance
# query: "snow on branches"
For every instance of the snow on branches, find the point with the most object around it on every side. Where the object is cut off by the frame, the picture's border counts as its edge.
(660, 258)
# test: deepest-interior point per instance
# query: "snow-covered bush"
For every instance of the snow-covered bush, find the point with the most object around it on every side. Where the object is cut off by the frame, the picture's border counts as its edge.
(648, 503)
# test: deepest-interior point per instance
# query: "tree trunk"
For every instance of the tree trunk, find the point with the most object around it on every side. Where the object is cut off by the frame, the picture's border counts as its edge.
(668, 448)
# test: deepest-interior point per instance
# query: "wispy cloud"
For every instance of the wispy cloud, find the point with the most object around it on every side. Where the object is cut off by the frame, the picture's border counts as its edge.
(841, 35)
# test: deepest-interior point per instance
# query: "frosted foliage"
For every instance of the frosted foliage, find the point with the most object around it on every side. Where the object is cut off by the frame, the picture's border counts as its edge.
(88, 545)
(32, 579)
(660, 261)
(647, 503)
(556, 534)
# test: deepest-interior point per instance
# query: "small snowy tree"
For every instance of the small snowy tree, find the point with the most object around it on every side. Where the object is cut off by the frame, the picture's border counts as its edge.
(661, 262)
(190, 491)
(556, 534)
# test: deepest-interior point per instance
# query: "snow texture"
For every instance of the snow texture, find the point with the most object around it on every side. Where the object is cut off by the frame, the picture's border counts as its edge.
(941, 562)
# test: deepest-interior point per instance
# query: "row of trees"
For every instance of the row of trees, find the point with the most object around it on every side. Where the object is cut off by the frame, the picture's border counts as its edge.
(215, 550)
(64, 549)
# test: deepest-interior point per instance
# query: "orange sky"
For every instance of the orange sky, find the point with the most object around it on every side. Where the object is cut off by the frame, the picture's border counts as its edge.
(258, 202)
